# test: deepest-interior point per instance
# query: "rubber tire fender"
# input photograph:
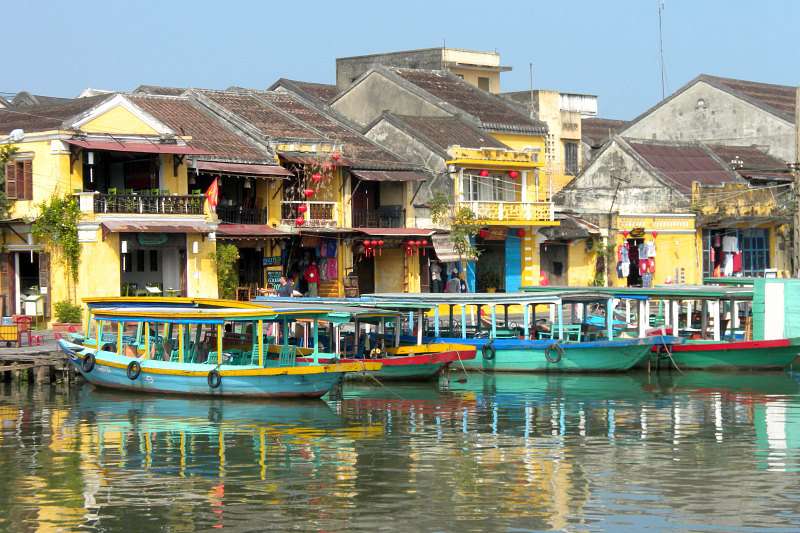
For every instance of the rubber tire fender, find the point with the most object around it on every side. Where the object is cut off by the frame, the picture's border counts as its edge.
(89, 360)
(214, 379)
(134, 369)
(555, 347)
(488, 351)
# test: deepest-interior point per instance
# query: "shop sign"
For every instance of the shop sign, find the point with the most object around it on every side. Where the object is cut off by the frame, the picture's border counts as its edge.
(637, 233)
(273, 278)
(496, 234)
(274, 260)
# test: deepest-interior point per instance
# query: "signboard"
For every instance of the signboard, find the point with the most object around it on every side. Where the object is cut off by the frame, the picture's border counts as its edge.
(274, 260)
(496, 234)
(273, 278)
(637, 233)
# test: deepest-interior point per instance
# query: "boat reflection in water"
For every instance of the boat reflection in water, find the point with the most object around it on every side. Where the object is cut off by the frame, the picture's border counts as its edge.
(495, 452)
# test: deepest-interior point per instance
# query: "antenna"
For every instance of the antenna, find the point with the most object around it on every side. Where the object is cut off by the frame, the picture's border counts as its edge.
(660, 4)
(530, 67)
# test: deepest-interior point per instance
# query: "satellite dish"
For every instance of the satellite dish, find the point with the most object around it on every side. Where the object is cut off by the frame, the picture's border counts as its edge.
(16, 135)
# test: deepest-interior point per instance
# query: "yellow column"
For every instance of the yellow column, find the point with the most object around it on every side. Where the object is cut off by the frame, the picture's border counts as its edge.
(99, 333)
(119, 338)
(260, 332)
(147, 340)
(219, 344)
(180, 343)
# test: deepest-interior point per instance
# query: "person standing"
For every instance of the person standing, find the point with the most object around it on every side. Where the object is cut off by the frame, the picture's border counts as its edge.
(453, 284)
(311, 276)
(286, 287)
(436, 277)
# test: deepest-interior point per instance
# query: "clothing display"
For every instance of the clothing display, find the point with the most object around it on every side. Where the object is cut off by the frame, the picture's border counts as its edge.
(730, 244)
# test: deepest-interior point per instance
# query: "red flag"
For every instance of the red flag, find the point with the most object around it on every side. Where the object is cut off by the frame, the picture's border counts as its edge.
(212, 194)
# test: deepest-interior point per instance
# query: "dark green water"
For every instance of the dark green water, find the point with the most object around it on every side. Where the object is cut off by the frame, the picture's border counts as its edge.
(708, 452)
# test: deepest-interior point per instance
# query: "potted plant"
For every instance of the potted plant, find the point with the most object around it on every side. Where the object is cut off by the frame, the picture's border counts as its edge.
(488, 281)
(68, 318)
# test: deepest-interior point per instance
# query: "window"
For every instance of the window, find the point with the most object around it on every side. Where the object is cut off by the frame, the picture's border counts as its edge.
(570, 158)
(139, 260)
(483, 83)
(460, 76)
(153, 260)
(19, 179)
(470, 186)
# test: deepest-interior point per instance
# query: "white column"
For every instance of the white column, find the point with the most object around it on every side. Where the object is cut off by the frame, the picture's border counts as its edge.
(716, 316)
(643, 321)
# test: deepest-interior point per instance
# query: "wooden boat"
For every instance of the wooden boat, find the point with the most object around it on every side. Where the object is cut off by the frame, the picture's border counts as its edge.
(514, 348)
(350, 326)
(704, 345)
(203, 351)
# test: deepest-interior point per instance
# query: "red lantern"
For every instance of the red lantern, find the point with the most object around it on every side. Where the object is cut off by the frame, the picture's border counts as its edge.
(626, 233)
(326, 166)
(316, 177)
(655, 234)
(513, 174)
(336, 156)
(380, 243)
(302, 208)
(483, 233)
(483, 173)
(521, 233)
(299, 221)
(309, 193)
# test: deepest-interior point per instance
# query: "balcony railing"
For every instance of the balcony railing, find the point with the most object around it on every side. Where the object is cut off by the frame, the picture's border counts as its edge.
(155, 204)
(512, 211)
(241, 215)
(388, 217)
(317, 214)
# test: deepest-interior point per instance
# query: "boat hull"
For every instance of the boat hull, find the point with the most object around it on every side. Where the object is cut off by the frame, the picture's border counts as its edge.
(738, 355)
(160, 377)
(516, 355)
(417, 366)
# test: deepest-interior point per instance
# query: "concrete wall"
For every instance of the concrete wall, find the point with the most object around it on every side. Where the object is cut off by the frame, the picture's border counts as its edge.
(703, 112)
(375, 94)
(471, 76)
(350, 68)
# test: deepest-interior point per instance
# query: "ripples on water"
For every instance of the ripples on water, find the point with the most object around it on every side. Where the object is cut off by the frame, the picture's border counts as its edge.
(698, 451)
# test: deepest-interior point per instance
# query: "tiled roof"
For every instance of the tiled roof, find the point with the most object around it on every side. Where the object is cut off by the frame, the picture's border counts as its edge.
(777, 99)
(159, 90)
(493, 112)
(322, 92)
(441, 133)
(207, 132)
(754, 162)
(596, 131)
(683, 163)
(26, 99)
(46, 116)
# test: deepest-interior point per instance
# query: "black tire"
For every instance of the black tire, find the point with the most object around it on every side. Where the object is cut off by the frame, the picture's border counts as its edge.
(134, 369)
(87, 365)
(214, 379)
(488, 351)
(559, 353)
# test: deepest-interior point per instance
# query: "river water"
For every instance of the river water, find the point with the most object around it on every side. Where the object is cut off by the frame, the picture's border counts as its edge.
(698, 451)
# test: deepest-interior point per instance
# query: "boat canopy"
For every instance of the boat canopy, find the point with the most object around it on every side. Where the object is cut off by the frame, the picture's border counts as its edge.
(672, 292)
(194, 315)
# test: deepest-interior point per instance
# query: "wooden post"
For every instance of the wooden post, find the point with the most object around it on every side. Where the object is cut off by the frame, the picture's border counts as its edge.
(627, 312)
(704, 320)
(526, 320)
(689, 311)
(420, 327)
(676, 312)
(219, 344)
(100, 325)
(436, 320)
(717, 321)
(181, 342)
(560, 314)
(260, 345)
(397, 331)
(411, 322)
(146, 340)
(451, 332)
(643, 319)
(493, 310)
(610, 318)
(463, 321)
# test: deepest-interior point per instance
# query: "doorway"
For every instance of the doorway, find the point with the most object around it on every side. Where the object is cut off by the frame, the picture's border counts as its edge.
(365, 270)
(491, 265)
(553, 262)
(27, 278)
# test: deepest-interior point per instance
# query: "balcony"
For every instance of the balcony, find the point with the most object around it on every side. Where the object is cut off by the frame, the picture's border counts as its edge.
(317, 214)
(501, 213)
(384, 217)
(241, 215)
(145, 203)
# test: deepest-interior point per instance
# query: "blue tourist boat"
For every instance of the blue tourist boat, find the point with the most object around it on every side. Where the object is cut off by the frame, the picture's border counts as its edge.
(210, 351)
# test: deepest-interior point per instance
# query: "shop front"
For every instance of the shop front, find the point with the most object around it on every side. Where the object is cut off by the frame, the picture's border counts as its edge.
(392, 259)
(260, 264)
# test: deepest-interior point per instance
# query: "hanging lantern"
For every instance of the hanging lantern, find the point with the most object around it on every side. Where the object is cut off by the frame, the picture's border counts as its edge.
(308, 193)
(423, 243)
(302, 208)
(326, 167)
(316, 177)
(483, 233)
(626, 233)
(521, 233)
(380, 242)
(513, 174)
(483, 173)
(299, 221)
(655, 234)
(336, 156)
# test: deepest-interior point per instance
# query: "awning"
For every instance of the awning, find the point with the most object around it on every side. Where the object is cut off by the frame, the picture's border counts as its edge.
(396, 232)
(249, 231)
(388, 175)
(243, 168)
(157, 226)
(445, 249)
(570, 228)
(141, 147)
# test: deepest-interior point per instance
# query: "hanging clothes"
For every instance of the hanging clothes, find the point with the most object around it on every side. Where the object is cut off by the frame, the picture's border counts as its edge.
(730, 244)
(737, 262)
(727, 267)
(332, 268)
(650, 249)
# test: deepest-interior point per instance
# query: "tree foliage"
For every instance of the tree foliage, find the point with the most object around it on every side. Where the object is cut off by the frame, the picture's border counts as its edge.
(6, 153)
(460, 220)
(227, 257)
(57, 228)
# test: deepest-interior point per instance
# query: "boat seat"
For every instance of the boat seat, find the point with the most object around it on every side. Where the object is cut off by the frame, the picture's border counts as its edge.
(287, 356)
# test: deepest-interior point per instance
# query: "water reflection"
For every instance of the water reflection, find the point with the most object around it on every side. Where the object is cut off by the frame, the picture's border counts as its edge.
(496, 452)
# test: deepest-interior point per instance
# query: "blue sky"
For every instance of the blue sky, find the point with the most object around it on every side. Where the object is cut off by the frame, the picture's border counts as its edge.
(607, 48)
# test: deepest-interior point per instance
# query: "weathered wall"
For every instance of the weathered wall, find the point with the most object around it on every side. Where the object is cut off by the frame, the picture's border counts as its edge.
(348, 69)
(705, 113)
(375, 94)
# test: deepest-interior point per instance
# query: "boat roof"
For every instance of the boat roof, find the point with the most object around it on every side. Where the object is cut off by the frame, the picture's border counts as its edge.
(161, 301)
(202, 315)
(664, 292)
(465, 298)
(737, 282)
(335, 307)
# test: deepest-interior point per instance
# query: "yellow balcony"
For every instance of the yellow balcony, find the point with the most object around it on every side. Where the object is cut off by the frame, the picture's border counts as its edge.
(513, 213)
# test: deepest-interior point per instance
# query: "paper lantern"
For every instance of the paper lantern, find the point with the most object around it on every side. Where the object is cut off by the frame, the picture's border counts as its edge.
(380, 243)
(483, 173)
(483, 233)
(513, 174)
(655, 234)
(521, 233)
(626, 233)
(336, 156)
(299, 221)
(302, 208)
(316, 177)
(309, 193)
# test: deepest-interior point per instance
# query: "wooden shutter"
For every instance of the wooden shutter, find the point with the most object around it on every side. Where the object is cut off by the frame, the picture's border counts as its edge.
(4, 283)
(27, 178)
(11, 179)
(44, 280)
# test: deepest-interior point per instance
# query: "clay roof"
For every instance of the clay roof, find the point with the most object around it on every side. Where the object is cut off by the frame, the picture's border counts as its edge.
(46, 116)
(207, 132)
(26, 99)
(777, 99)
(494, 112)
(322, 92)
(159, 90)
(596, 131)
(755, 164)
(683, 163)
(440, 133)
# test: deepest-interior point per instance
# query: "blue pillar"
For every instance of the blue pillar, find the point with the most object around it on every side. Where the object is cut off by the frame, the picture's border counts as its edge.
(463, 321)
(513, 273)
(494, 320)
(436, 321)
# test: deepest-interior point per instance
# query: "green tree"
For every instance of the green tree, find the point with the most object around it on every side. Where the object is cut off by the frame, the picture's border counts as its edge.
(56, 227)
(460, 220)
(227, 257)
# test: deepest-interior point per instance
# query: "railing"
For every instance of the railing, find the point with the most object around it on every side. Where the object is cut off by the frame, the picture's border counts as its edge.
(512, 211)
(172, 204)
(379, 218)
(241, 215)
(317, 214)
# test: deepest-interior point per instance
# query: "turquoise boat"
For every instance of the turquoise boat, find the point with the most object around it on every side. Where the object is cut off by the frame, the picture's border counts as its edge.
(204, 351)
(510, 347)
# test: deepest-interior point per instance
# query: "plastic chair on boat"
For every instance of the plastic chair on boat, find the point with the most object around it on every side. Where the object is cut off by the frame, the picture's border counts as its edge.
(287, 356)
